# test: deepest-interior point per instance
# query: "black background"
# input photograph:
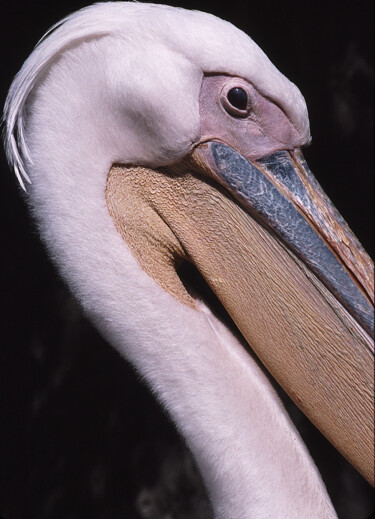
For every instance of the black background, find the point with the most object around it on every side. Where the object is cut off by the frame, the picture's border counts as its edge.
(80, 436)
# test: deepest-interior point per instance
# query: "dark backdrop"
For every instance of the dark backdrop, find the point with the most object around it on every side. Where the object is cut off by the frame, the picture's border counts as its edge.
(80, 436)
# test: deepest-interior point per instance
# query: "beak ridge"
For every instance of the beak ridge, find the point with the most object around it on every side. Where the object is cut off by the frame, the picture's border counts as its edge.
(283, 194)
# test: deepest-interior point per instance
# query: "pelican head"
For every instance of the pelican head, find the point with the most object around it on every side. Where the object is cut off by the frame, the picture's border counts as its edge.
(152, 137)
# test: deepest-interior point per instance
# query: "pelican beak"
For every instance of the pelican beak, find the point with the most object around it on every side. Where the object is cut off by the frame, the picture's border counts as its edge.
(283, 263)
(325, 362)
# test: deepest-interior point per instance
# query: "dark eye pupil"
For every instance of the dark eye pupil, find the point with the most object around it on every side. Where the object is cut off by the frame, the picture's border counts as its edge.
(237, 98)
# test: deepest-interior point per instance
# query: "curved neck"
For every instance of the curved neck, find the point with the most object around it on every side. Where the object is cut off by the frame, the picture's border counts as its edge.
(253, 462)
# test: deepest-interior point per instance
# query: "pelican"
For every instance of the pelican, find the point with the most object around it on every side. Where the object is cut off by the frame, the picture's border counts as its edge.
(151, 137)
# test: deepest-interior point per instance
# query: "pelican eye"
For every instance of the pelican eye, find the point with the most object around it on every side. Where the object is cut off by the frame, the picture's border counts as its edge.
(237, 98)
(236, 102)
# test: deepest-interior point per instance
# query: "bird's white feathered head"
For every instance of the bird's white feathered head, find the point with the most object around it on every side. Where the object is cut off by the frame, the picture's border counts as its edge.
(146, 75)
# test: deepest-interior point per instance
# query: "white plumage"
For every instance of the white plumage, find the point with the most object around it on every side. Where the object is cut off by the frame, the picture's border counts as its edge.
(119, 82)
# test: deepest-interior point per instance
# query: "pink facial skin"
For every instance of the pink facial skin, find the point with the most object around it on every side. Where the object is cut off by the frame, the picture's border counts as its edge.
(260, 129)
